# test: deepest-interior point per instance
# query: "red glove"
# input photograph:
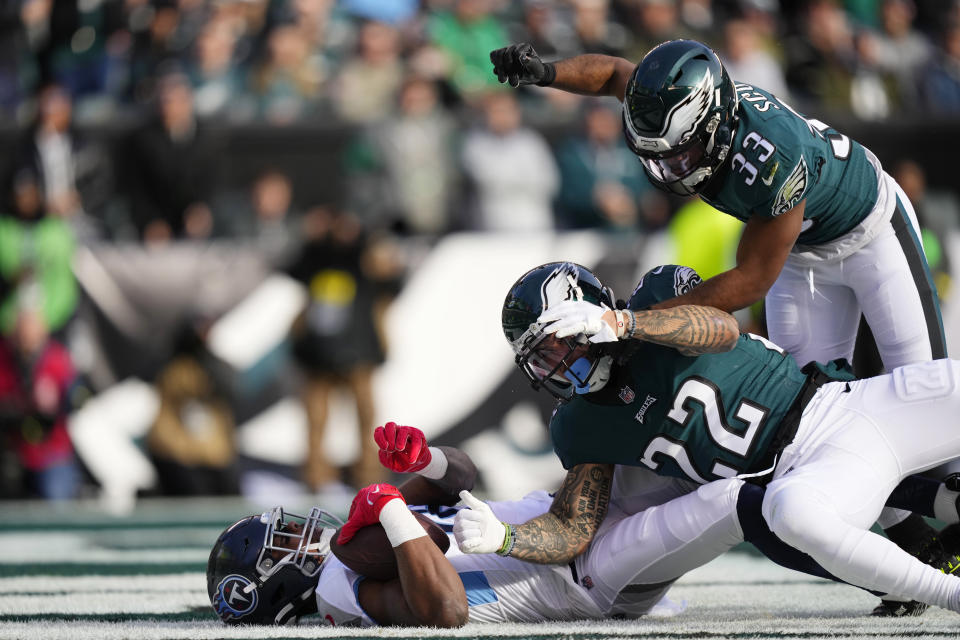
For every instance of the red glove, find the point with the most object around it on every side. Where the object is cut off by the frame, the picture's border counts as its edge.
(402, 449)
(365, 508)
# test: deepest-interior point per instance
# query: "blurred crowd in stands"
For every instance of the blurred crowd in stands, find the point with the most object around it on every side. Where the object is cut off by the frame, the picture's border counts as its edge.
(115, 113)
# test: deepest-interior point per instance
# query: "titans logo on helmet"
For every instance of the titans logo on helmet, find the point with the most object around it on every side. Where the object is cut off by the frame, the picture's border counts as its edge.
(235, 597)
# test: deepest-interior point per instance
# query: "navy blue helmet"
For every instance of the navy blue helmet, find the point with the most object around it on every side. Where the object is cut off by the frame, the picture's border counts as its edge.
(264, 569)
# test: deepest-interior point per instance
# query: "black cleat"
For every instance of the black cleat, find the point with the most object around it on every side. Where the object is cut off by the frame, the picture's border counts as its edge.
(898, 609)
(949, 558)
(941, 552)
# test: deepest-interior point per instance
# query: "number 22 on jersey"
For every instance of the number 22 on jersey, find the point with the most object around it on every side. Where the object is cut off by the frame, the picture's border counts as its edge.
(702, 392)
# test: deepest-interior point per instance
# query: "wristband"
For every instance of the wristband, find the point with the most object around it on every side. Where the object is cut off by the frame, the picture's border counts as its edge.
(549, 75)
(632, 324)
(621, 322)
(509, 540)
(399, 524)
(437, 467)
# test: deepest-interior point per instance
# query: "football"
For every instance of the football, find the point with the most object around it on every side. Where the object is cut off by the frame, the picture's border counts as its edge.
(369, 552)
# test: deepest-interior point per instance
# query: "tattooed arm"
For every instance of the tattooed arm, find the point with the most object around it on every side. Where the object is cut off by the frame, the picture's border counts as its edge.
(691, 329)
(564, 532)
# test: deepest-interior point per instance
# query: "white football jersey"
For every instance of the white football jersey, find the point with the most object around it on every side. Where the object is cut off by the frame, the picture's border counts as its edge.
(498, 589)
(615, 578)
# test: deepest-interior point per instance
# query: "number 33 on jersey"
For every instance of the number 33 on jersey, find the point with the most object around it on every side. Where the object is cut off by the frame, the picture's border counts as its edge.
(779, 158)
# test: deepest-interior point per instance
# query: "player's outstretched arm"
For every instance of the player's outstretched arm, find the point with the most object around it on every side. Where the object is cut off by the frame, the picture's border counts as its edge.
(442, 472)
(590, 74)
(594, 74)
(557, 536)
(691, 329)
(761, 254)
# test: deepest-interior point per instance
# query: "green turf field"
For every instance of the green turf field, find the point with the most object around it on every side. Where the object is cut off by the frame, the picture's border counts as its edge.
(75, 572)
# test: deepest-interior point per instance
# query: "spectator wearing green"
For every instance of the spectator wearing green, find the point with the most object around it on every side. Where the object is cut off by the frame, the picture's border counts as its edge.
(467, 35)
(35, 249)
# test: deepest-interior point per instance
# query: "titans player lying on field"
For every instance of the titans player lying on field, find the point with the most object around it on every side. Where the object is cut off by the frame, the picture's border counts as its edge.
(274, 568)
(682, 392)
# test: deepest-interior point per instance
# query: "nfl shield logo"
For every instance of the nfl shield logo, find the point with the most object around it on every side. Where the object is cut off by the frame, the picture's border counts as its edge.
(627, 395)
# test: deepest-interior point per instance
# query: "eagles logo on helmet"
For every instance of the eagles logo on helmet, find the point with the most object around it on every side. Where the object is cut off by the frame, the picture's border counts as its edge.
(679, 115)
(562, 366)
(662, 283)
(574, 365)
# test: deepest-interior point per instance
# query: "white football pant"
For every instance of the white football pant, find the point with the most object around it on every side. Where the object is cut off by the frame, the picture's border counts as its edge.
(855, 442)
(813, 310)
(634, 559)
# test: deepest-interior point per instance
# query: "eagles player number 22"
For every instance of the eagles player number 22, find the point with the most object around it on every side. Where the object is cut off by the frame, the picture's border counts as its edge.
(708, 396)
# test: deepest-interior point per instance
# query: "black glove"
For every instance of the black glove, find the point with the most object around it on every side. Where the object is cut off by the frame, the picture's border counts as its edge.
(519, 64)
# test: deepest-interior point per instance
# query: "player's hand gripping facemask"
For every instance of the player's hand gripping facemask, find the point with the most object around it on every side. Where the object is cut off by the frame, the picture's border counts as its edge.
(564, 365)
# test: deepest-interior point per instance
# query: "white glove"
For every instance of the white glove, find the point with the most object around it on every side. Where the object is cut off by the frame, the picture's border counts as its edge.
(571, 317)
(476, 529)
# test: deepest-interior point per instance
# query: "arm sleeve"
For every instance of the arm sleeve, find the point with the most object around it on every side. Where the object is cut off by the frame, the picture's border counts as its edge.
(461, 472)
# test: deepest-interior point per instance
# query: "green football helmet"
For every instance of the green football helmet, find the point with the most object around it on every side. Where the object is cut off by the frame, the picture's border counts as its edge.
(562, 366)
(679, 115)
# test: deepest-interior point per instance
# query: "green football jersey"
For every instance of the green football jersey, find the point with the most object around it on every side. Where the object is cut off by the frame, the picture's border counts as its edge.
(702, 418)
(778, 158)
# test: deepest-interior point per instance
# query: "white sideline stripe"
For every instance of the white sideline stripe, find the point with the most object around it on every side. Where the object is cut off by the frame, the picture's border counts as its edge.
(94, 602)
(100, 546)
(162, 583)
(184, 535)
(933, 624)
(105, 556)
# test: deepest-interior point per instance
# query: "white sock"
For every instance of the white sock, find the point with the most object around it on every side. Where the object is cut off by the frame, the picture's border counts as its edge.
(399, 523)
(945, 505)
(437, 467)
(890, 517)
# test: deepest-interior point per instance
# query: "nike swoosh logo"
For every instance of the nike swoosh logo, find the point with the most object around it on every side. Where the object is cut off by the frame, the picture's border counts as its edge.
(369, 501)
(767, 181)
